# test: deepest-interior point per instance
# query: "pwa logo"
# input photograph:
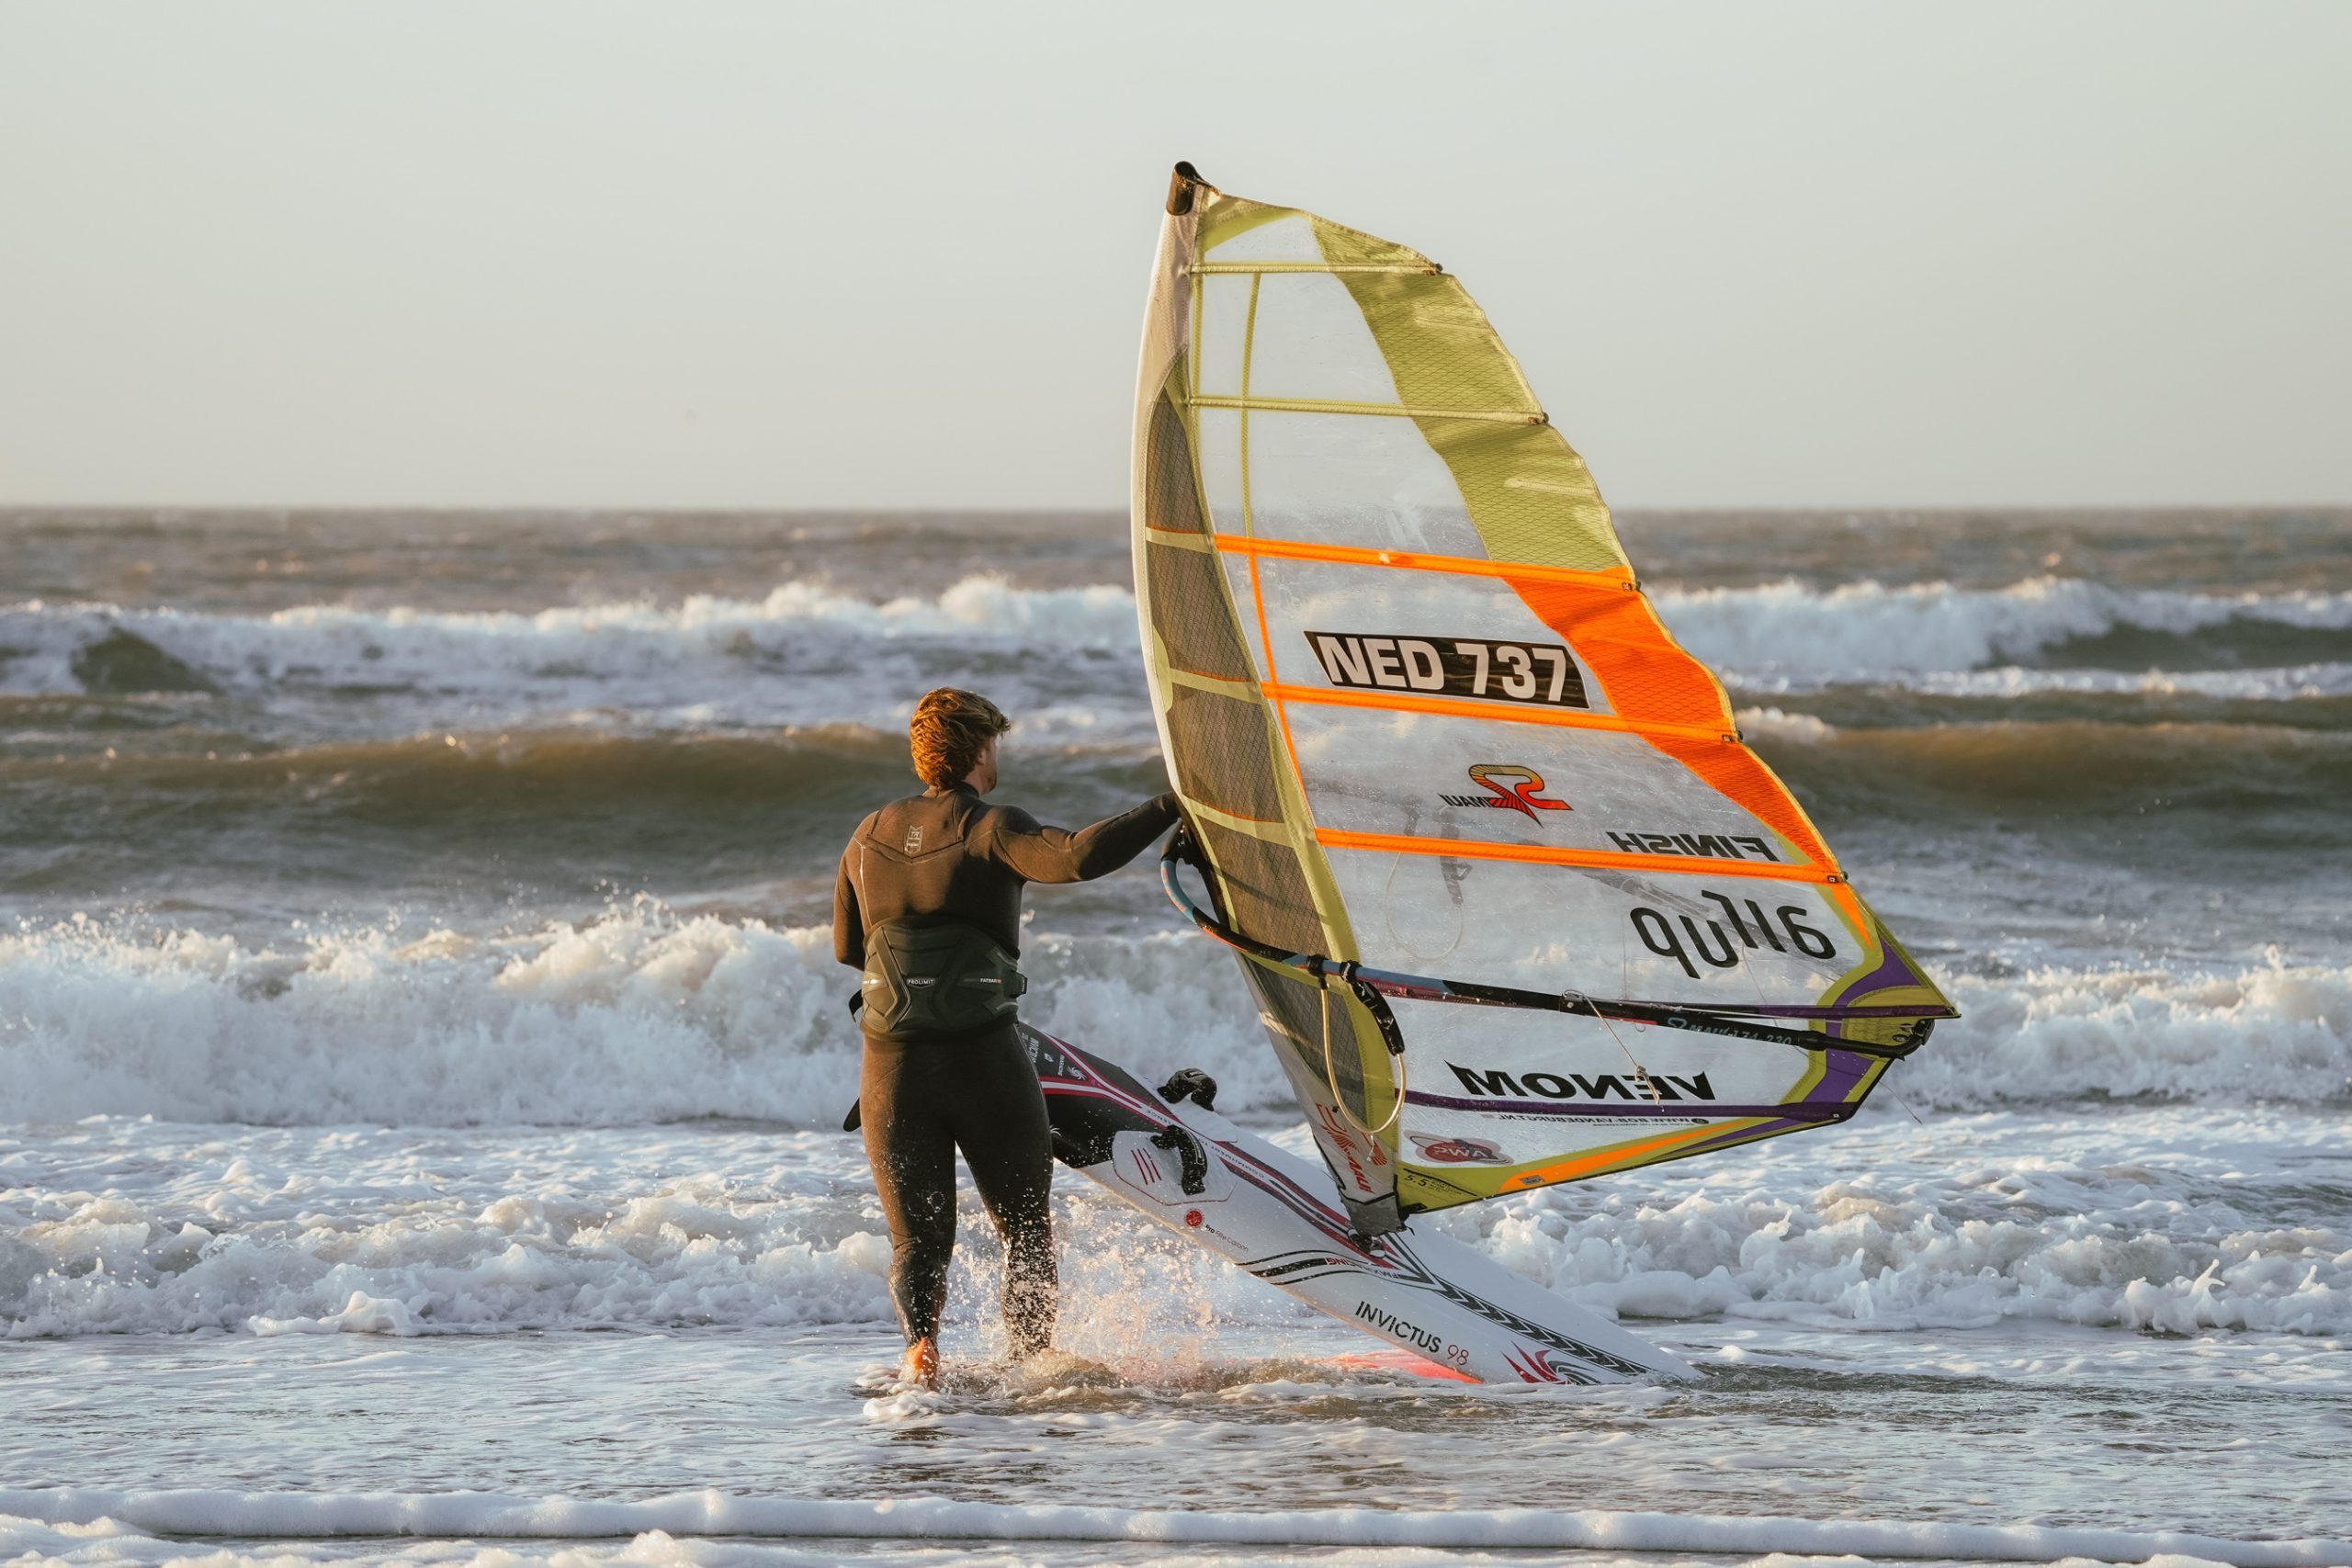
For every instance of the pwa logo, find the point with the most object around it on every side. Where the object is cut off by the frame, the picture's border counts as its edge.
(1456, 1151)
(1513, 789)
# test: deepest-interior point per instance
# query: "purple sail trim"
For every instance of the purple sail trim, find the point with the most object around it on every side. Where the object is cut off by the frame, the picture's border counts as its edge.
(1841, 1070)
(1892, 971)
(1804, 1010)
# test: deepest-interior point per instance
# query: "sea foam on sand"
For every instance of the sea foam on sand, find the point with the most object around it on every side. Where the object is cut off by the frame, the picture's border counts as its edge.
(75, 1518)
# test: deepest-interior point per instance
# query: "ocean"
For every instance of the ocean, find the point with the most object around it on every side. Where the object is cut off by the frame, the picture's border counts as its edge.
(421, 1058)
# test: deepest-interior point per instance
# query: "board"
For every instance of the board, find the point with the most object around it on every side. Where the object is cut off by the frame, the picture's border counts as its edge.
(1278, 1216)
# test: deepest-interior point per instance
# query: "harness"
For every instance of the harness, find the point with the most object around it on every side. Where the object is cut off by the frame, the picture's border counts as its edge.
(931, 979)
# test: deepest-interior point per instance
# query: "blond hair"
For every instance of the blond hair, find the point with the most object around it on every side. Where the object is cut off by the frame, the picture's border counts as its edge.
(951, 729)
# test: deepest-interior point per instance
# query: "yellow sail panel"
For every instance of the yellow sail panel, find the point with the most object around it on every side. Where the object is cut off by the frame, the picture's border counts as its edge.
(1424, 719)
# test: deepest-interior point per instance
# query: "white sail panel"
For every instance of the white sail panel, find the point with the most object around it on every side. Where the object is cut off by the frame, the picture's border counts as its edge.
(1368, 771)
(1218, 446)
(1328, 479)
(1284, 238)
(1307, 340)
(1711, 941)
(1221, 336)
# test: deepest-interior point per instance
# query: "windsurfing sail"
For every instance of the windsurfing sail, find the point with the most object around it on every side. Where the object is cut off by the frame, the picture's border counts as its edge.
(1516, 904)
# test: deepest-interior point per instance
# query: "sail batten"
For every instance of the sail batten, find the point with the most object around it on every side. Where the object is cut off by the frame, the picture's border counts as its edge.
(1282, 693)
(1439, 749)
(1490, 848)
(1410, 560)
(1374, 411)
(1230, 269)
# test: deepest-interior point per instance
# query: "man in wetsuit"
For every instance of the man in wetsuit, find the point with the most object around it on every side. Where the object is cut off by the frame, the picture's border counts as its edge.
(928, 908)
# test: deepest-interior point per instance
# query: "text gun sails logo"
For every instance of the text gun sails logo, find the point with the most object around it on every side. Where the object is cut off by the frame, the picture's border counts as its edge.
(1456, 1151)
(1512, 788)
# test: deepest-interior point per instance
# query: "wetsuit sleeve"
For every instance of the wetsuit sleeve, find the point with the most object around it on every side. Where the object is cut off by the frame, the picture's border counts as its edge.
(1038, 853)
(849, 921)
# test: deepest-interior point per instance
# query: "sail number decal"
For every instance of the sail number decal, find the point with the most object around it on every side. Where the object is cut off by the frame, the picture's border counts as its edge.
(1452, 666)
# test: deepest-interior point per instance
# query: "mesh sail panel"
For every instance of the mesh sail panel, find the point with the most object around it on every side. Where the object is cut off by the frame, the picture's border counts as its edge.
(1189, 612)
(1263, 891)
(1171, 502)
(1298, 1007)
(1222, 753)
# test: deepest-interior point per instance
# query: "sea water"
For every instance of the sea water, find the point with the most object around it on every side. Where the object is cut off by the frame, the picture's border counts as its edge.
(421, 1053)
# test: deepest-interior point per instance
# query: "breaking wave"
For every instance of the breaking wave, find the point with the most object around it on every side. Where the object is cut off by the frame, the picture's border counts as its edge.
(644, 1016)
(2276, 1030)
(697, 655)
(608, 1180)
(803, 654)
(458, 649)
(639, 1016)
(2146, 1222)
(385, 1233)
(1789, 636)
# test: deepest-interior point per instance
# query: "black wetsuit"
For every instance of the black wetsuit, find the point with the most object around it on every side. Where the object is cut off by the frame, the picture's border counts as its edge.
(947, 854)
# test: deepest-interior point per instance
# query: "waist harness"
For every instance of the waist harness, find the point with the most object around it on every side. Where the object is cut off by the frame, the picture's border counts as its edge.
(933, 982)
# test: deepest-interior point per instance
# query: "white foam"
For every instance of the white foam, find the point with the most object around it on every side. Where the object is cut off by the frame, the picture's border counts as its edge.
(803, 654)
(124, 1225)
(2172, 1221)
(377, 1234)
(363, 1313)
(1804, 729)
(2176, 1220)
(2274, 1030)
(488, 1515)
(807, 654)
(638, 1016)
(1788, 635)
(2297, 682)
(643, 1016)
(365, 1218)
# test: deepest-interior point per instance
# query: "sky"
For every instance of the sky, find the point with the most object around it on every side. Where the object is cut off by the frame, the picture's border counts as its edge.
(773, 255)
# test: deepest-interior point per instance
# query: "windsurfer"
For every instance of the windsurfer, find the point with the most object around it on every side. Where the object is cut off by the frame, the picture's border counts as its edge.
(927, 906)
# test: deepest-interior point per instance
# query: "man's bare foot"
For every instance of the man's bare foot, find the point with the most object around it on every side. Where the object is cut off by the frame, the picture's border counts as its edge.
(920, 1367)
